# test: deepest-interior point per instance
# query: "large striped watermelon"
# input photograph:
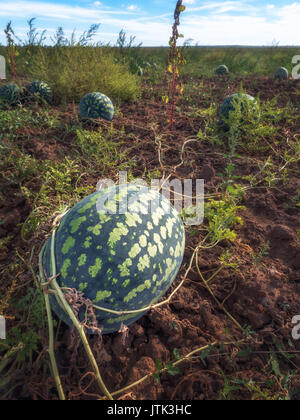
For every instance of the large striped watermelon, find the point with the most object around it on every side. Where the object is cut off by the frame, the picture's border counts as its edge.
(121, 260)
(221, 70)
(10, 94)
(248, 106)
(96, 105)
(281, 74)
(41, 91)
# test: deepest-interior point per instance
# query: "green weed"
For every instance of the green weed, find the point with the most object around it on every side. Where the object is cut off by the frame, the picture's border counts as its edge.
(101, 150)
(261, 254)
(295, 202)
(221, 216)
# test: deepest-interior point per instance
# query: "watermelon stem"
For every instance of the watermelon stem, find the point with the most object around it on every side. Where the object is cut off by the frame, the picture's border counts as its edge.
(80, 328)
(51, 352)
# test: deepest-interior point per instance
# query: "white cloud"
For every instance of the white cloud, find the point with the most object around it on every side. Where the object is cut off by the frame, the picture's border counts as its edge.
(222, 7)
(132, 7)
(242, 29)
(26, 9)
(212, 23)
(259, 27)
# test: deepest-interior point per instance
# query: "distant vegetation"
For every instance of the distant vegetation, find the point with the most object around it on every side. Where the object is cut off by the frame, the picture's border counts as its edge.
(74, 67)
(202, 61)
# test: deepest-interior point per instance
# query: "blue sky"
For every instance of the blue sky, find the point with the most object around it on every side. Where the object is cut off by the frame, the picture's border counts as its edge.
(248, 22)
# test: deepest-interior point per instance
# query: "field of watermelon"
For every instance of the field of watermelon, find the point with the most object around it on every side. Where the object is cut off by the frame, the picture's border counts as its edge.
(225, 328)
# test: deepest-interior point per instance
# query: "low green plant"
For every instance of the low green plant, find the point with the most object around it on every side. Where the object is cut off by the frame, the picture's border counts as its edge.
(59, 188)
(29, 323)
(256, 134)
(101, 149)
(228, 388)
(29, 340)
(295, 202)
(261, 254)
(221, 216)
(18, 166)
(228, 260)
(13, 122)
(165, 367)
(61, 177)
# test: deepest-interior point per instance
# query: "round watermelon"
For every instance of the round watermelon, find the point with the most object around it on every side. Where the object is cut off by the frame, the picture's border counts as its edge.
(281, 74)
(221, 70)
(96, 105)
(248, 105)
(122, 247)
(40, 90)
(10, 94)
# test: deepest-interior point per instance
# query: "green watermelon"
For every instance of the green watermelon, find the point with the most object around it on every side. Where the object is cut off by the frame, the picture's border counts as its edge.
(96, 105)
(221, 70)
(10, 94)
(248, 104)
(281, 74)
(121, 260)
(40, 90)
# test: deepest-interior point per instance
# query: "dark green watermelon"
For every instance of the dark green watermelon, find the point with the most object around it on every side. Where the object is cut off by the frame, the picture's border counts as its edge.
(281, 74)
(41, 91)
(119, 261)
(249, 108)
(221, 70)
(10, 94)
(96, 105)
